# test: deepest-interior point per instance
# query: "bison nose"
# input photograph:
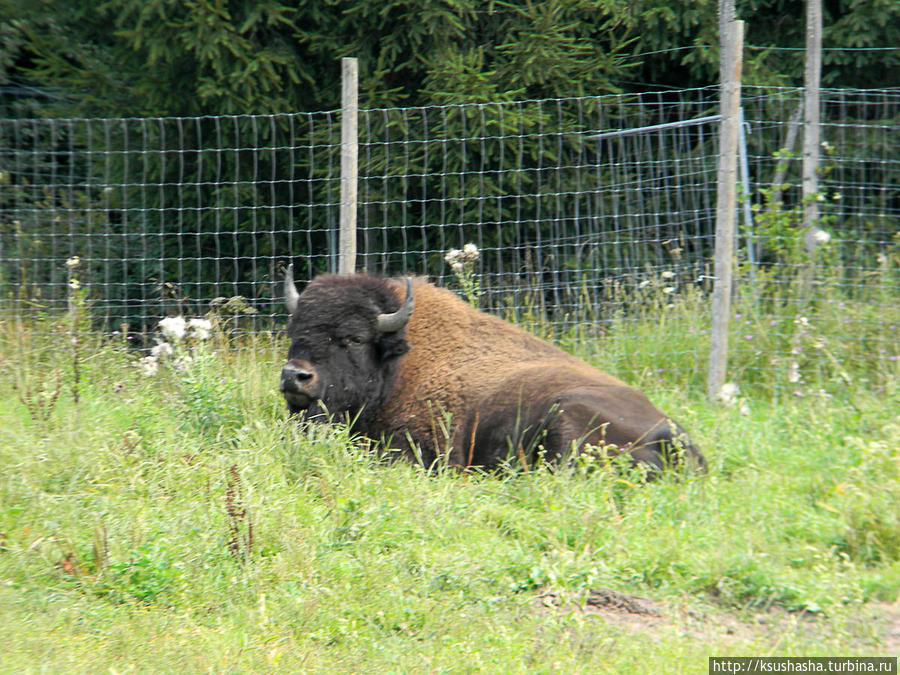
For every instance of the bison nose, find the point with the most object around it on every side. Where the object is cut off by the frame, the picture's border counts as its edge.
(294, 378)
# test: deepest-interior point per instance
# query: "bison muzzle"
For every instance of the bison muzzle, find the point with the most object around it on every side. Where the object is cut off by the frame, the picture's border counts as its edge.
(412, 365)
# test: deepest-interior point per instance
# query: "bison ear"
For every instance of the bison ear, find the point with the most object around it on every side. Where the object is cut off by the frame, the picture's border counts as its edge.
(391, 346)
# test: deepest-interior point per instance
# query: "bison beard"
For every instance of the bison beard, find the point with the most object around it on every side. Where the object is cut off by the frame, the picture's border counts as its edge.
(359, 352)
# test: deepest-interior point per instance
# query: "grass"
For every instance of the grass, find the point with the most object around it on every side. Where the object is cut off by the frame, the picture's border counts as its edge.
(179, 523)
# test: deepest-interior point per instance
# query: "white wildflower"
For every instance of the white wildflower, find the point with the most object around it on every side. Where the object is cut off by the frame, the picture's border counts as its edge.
(667, 274)
(794, 372)
(668, 290)
(74, 261)
(200, 328)
(802, 321)
(470, 252)
(74, 284)
(173, 328)
(821, 237)
(453, 255)
(162, 350)
(730, 389)
(728, 394)
(644, 283)
(148, 365)
(456, 266)
(744, 409)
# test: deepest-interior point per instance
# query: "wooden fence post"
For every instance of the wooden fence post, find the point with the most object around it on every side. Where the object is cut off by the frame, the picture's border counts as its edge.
(349, 163)
(726, 202)
(812, 74)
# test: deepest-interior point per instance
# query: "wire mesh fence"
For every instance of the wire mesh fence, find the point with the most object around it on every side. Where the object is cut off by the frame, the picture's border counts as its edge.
(553, 211)
(575, 232)
(838, 309)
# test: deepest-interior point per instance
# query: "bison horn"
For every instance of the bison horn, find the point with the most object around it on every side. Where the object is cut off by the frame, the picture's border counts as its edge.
(291, 296)
(391, 323)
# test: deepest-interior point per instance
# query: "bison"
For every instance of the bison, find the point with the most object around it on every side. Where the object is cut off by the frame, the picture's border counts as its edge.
(413, 365)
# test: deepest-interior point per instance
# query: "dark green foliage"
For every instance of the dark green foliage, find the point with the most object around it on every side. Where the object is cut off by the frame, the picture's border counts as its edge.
(160, 57)
(163, 209)
(127, 57)
(131, 57)
(847, 25)
(774, 42)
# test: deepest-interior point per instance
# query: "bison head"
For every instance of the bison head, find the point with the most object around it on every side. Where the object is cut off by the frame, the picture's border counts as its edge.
(347, 333)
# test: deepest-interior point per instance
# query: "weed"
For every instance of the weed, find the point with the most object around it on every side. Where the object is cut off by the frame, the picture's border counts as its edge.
(147, 575)
(240, 526)
(40, 398)
(77, 306)
(462, 263)
(207, 405)
(226, 314)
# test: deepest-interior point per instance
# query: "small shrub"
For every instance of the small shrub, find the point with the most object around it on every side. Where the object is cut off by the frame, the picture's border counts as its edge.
(206, 402)
(147, 575)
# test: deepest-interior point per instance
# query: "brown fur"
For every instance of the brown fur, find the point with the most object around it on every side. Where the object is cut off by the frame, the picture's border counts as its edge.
(504, 389)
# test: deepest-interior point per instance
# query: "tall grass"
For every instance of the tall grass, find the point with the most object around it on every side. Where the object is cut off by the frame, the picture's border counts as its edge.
(179, 522)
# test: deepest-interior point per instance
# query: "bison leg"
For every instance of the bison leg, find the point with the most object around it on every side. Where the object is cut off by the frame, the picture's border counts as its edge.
(560, 424)
(624, 422)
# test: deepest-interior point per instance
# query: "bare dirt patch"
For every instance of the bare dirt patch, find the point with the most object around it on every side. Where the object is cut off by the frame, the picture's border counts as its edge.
(891, 637)
(879, 629)
(620, 602)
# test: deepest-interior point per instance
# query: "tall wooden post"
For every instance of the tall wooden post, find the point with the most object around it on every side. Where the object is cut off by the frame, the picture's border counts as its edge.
(726, 202)
(812, 75)
(349, 163)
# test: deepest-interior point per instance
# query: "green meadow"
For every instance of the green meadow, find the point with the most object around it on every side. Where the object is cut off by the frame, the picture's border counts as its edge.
(176, 521)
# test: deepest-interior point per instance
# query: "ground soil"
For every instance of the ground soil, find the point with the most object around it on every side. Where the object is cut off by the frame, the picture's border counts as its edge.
(877, 627)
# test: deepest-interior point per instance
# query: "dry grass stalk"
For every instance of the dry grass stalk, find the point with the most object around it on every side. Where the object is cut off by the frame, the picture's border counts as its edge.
(40, 402)
(100, 549)
(240, 527)
(472, 441)
(520, 451)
